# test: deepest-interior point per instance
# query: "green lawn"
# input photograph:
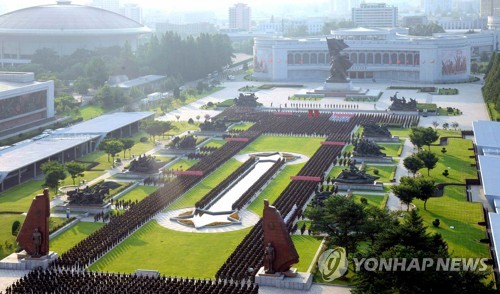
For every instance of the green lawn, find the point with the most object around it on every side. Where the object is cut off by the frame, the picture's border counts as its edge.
(19, 198)
(373, 200)
(87, 176)
(202, 188)
(456, 160)
(6, 221)
(139, 193)
(274, 189)
(302, 145)
(385, 173)
(336, 170)
(243, 126)
(452, 209)
(71, 237)
(90, 111)
(404, 133)
(216, 143)
(391, 149)
(183, 164)
(306, 248)
(171, 252)
(183, 126)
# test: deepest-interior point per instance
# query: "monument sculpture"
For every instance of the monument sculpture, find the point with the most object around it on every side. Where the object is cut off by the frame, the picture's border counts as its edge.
(354, 176)
(88, 196)
(34, 234)
(144, 164)
(247, 100)
(402, 104)
(279, 252)
(366, 148)
(373, 130)
(339, 63)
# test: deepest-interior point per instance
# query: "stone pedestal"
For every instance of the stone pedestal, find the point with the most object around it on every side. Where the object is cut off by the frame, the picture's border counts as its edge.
(92, 209)
(393, 139)
(20, 261)
(301, 281)
(338, 87)
(368, 187)
(385, 159)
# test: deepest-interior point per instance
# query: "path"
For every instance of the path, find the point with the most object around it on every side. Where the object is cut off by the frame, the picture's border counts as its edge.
(315, 289)
(393, 202)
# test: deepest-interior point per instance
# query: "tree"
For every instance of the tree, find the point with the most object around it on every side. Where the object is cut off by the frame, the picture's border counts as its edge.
(446, 126)
(413, 164)
(111, 147)
(429, 159)
(128, 143)
(435, 124)
(198, 117)
(426, 189)
(416, 137)
(96, 72)
(75, 169)
(16, 226)
(177, 117)
(423, 136)
(455, 125)
(405, 191)
(341, 219)
(409, 240)
(54, 172)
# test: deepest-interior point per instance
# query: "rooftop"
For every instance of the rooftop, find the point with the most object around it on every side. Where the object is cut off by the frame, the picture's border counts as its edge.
(104, 124)
(486, 133)
(495, 234)
(490, 175)
(144, 80)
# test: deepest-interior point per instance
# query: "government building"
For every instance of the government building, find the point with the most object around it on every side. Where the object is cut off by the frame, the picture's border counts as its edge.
(377, 54)
(63, 27)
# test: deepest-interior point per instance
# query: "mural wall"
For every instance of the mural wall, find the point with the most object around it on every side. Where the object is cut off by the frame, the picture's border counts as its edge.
(453, 62)
(262, 60)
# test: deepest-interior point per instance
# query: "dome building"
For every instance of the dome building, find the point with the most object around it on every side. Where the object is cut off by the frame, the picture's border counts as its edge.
(63, 27)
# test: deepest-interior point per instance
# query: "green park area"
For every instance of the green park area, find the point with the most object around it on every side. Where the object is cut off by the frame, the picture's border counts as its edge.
(7, 240)
(173, 253)
(182, 164)
(301, 145)
(374, 200)
(243, 126)
(215, 143)
(384, 172)
(391, 149)
(306, 246)
(138, 193)
(71, 237)
(19, 198)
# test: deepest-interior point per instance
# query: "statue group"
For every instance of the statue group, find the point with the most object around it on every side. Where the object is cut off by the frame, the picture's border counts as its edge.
(372, 130)
(88, 195)
(354, 176)
(339, 63)
(366, 148)
(402, 104)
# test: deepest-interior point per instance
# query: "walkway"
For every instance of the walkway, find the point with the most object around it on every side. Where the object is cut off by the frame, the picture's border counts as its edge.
(393, 202)
(315, 289)
(477, 195)
(249, 219)
(7, 277)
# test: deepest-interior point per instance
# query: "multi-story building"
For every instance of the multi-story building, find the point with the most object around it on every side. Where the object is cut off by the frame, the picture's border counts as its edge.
(381, 54)
(240, 17)
(24, 102)
(132, 11)
(111, 5)
(375, 15)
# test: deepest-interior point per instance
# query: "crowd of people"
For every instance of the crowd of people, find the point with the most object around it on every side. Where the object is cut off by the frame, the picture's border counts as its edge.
(66, 281)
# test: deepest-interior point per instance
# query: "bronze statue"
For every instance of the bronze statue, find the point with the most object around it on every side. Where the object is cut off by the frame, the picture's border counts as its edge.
(339, 63)
(402, 104)
(371, 129)
(270, 256)
(279, 252)
(366, 148)
(37, 241)
(354, 176)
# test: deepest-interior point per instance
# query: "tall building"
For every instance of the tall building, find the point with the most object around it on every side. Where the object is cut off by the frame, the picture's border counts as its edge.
(111, 5)
(375, 15)
(132, 11)
(239, 17)
(437, 7)
(490, 8)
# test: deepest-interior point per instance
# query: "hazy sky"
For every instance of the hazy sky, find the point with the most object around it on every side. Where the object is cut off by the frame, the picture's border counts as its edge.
(169, 5)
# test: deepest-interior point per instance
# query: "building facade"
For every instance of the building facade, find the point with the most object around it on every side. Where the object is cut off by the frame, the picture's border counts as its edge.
(24, 102)
(63, 27)
(385, 54)
(375, 15)
(240, 17)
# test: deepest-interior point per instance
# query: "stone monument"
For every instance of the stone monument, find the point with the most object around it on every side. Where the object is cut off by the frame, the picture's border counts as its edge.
(366, 148)
(378, 133)
(33, 238)
(354, 176)
(279, 254)
(34, 234)
(338, 83)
